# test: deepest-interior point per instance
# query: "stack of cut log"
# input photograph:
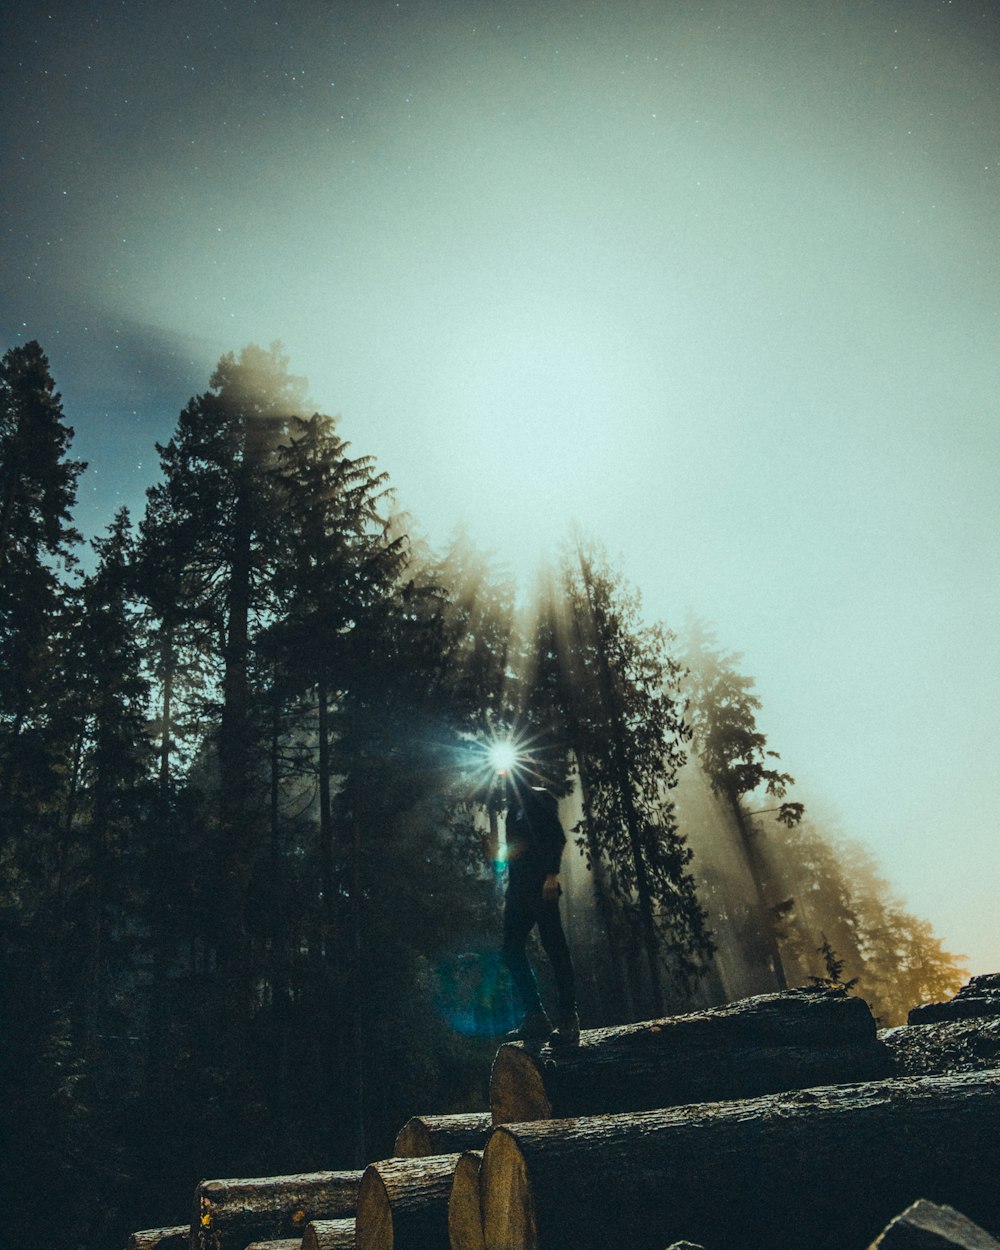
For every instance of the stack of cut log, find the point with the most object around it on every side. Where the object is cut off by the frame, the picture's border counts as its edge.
(783, 1120)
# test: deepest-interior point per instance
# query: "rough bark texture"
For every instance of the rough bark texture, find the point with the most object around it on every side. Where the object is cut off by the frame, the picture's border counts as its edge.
(425, 1135)
(956, 1045)
(465, 1213)
(759, 1045)
(403, 1204)
(825, 1168)
(286, 1243)
(927, 1226)
(329, 1235)
(161, 1238)
(981, 997)
(229, 1214)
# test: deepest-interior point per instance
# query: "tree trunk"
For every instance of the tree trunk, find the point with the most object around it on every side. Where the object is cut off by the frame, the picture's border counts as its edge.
(229, 1214)
(617, 735)
(161, 1238)
(764, 919)
(425, 1135)
(755, 1046)
(465, 1212)
(845, 1159)
(927, 1226)
(329, 1235)
(403, 1204)
(623, 1003)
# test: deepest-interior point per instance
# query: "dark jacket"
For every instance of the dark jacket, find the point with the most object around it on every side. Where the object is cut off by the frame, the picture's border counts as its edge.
(535, 838)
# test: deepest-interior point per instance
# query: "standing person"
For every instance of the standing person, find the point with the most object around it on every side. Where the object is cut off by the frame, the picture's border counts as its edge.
(535, 842)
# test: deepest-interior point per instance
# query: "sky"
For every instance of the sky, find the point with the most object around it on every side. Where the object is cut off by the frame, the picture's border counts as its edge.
(719, 282)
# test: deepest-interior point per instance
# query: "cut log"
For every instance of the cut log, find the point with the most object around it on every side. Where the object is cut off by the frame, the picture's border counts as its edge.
(825, 1168)
(403, 1204)
(442, 1134)
(175, 1238)
(329, 1235)
(928, 1226)
(285, 1243)
(761, 1045)
(465, 1215)
(957, 1045)
(981, 997)
(230, 1214)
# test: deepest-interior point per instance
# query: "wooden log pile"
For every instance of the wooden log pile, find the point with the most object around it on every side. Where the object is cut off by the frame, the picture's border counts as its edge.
(773, 1123)
(759, 1045)
(825, 1167)
(230, 1214)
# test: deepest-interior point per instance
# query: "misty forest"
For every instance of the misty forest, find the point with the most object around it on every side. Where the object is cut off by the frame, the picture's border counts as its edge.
(251, 863)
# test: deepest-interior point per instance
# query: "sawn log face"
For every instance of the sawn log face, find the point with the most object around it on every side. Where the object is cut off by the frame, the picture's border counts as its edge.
(465, 1216)
(825, 1168)
(403, 1204)
(760, 1045)
(329, 1235)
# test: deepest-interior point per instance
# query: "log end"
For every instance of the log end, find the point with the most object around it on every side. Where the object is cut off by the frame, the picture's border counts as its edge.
(517, 1091)
(507, 1204)
(465, 1216)
(374, 1230)
(328, 1235)
(413, 1141)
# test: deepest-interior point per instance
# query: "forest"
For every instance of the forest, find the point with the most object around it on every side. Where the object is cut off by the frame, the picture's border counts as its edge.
(250, 873)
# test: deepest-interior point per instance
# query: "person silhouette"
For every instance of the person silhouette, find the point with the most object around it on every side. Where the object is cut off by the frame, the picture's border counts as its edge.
(535, 841)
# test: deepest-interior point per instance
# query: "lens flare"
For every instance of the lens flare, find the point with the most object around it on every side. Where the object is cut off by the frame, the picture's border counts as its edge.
(503, 756)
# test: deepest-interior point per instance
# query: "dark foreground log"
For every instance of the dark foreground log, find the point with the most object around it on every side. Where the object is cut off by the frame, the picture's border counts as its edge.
(981, 997)
(961, 1045)
(175, 1238)
(927, 1226)
(329, 1235)
(442, 1134)
(825, 1168)
(760, 1045)
(465, 1215)
(230, 1214)
(403, 1204)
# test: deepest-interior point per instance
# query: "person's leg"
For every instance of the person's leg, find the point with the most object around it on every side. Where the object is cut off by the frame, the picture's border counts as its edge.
(518, 920)
(554, 943)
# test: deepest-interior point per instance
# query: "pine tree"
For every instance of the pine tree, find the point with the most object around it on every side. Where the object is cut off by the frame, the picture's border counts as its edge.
(629, 745)
(734, 754)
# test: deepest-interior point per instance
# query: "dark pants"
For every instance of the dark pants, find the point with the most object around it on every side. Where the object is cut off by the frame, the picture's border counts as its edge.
(524, 908)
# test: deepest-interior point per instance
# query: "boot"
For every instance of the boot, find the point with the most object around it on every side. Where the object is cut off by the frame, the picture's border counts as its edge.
(567, 1031)
(535, 1027)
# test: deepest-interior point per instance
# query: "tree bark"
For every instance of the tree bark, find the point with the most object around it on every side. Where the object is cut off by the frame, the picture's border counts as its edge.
(285, 1243)
(229, 1214)
(442, 1134)
(329, 1235)
(927, 1226)
(759, 1045)
(951, 1046)
(981, 997)
(403, 1204)
(848, 1158)
(465, 1212)
(176, 1238)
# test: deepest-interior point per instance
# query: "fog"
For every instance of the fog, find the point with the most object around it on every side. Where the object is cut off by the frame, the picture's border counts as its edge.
(717, 281)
